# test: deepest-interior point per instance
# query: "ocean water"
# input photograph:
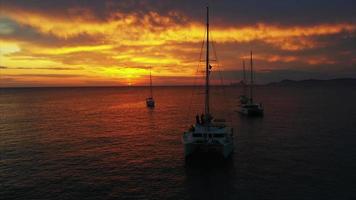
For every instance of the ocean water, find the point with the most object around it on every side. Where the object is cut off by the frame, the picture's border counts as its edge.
(103, 143)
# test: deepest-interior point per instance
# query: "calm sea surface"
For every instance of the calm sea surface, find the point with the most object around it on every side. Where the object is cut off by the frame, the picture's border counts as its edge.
(103, 143)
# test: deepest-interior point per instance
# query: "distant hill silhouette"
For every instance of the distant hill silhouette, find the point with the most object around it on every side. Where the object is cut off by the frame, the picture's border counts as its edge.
(316, 82)
(241, 83)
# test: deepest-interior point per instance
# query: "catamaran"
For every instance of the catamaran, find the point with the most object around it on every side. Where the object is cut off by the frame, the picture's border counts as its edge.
(208, 134)
(250, 108)
(243, 97)
(150, 101)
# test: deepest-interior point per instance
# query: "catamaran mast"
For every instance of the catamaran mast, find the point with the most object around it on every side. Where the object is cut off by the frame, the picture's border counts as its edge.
(251, 84)
(207, 109)
(244, 71)
(150, 83)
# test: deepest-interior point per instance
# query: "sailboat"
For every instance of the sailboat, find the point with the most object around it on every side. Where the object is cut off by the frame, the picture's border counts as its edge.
(251, 108)
(243, 97)
(150, 102)
(208, 134)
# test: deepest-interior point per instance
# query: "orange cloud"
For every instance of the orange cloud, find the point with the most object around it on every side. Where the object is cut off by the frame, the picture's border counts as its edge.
(154, 29)
(129, 43)
(317, 60)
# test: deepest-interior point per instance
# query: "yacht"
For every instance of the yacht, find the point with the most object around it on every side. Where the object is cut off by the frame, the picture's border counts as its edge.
(208, 134)
(150, 102)
(243, 97)
(251, 108)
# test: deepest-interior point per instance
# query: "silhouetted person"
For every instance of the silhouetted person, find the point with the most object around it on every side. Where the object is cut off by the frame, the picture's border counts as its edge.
(202, 119)
(208, 118)
(197, 119)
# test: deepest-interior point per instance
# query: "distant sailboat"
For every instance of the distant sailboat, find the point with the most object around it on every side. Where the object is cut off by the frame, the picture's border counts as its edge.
(251, 108)
(150, 101)
(243, 97)
(208, 134)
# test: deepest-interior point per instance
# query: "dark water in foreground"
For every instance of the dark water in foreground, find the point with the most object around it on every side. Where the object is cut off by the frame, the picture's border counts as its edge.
(103, 143)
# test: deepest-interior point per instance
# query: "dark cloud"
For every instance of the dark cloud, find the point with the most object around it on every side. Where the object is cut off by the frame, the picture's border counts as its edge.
(236, 12)
(24, 33)
(338, 48)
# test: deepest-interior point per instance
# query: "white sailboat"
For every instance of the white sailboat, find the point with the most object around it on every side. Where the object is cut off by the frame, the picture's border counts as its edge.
(150, 101)
(250, 108)
(208, 134)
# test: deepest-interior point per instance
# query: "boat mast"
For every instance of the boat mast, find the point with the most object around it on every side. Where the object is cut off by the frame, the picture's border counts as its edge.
(244, 71)
(207, 109)
(150, 82)
(251, 84)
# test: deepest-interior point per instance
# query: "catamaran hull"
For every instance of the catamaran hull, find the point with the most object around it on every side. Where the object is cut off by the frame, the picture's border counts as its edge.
(150, 104)
(225, 150)
(256, 112)
(243, 100)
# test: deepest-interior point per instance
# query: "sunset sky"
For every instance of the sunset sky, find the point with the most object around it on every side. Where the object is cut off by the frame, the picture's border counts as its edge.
(85, 43)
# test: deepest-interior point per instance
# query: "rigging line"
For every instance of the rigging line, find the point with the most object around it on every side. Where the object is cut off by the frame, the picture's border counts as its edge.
(195, 77)
(221, 77)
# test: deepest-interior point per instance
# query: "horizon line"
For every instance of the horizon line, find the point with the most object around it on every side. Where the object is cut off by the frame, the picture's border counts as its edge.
(234, 84)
